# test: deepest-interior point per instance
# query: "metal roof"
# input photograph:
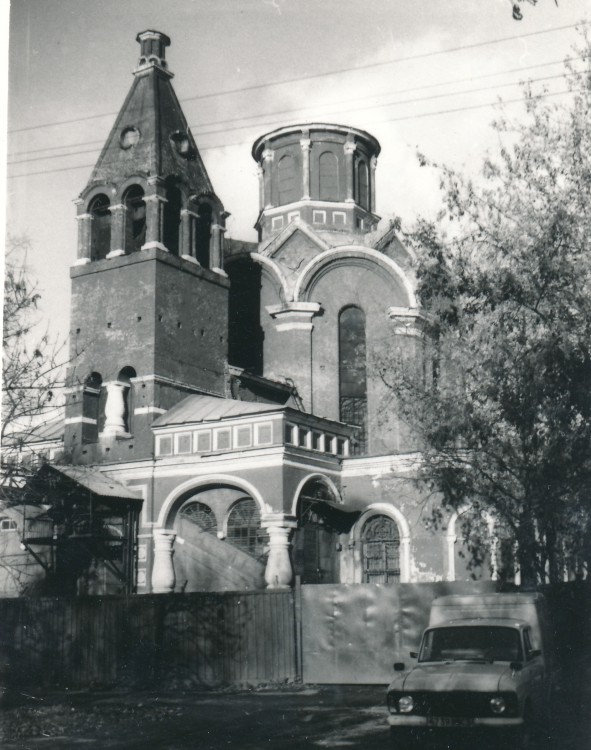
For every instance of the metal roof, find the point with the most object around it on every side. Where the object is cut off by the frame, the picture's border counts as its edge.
(211, 409)
(96, 482)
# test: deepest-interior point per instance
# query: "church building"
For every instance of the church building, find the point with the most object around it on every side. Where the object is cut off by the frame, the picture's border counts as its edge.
(227, 393)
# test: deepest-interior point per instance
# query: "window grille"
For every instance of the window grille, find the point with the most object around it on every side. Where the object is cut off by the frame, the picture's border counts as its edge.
(244, 528)
(380, 542)
(201, 515)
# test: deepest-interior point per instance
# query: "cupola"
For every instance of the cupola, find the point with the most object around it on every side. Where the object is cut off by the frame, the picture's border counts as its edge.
(320, 173)
(153, 46)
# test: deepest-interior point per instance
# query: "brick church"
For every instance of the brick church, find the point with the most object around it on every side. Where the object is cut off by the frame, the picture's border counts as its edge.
(224, 406)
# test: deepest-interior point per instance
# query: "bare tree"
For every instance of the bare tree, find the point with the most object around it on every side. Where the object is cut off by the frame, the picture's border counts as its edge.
(32, 362)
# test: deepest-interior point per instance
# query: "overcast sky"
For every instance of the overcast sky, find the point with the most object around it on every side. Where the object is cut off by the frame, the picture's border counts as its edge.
(418, 74)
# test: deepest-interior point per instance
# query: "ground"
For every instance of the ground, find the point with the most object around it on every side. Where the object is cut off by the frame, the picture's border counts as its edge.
(286, 718)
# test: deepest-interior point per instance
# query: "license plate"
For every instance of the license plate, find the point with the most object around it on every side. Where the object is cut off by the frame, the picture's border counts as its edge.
(449, 721)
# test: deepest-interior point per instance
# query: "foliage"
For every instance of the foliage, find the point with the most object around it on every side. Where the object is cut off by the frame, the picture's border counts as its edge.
(504, 408)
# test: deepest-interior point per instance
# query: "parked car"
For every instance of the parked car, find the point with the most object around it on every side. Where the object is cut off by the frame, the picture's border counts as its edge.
(485, 663)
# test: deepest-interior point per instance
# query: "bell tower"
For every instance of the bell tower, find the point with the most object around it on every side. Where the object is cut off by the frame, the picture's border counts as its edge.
(149, 322)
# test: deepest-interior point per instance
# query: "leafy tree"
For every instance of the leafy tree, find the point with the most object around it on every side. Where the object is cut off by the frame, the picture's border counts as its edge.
(503, 410)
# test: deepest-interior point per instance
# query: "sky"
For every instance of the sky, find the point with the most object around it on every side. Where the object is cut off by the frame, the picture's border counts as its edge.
(420, 75)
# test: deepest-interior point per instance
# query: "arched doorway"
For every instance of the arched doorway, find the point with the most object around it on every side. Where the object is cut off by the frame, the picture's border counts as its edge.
(317, 543)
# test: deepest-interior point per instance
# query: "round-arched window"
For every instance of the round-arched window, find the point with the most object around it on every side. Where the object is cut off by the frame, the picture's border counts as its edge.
(201, 515)
(244, 528)
(380, 548)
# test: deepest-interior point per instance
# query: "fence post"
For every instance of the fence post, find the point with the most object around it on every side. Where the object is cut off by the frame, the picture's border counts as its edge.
(299, 656)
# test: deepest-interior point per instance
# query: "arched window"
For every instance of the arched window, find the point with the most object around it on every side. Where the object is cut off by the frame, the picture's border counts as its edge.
(380, 550)
(328, 171)
(135, 219)
(91, 407)
(100, 228)
(353, 375)
(125, 376)
(244, 528)
(286, 180)
(363, 184)
(203, 234)
(201, 515)
(172, 216)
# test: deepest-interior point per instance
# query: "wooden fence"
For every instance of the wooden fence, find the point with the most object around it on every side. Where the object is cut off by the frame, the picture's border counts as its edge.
(326, 634)
(190, 639)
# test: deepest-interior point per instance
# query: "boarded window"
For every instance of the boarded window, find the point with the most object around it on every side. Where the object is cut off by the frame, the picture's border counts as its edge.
(328, 170)
(201, 515)
(287, 180)
(380, 543)
(244, 528)
(100, 228)
(353, 375)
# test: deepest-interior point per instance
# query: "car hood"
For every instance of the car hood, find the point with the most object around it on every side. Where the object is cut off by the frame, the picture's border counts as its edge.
(457, 675)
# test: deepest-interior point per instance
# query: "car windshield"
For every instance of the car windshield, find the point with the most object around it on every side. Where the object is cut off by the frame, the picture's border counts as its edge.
(478, 642)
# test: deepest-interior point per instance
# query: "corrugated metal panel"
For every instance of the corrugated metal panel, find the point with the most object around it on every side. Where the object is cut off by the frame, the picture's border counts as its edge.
(354, 633)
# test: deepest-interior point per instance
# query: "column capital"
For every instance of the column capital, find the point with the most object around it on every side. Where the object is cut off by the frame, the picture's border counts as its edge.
(294, 315)
(305, 144)
(278, 521)
(408, 321)
(349, 148)
(268, 154)
(84, 217)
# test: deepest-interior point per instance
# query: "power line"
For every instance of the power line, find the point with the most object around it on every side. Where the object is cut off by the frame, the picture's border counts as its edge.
(312, 76)
(387, 119)
(342, 101)
(299, 109)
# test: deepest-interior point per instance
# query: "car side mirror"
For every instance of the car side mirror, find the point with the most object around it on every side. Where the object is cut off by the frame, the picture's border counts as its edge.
(414, 655)
(516, 666)
(399, 666)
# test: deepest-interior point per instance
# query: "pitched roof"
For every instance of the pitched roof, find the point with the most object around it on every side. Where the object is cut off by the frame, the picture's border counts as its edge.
(153, 110)
(211, 409)
(96, 482)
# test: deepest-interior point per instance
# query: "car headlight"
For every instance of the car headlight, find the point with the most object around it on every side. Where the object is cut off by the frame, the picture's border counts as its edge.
(497, 705)
(406, 704)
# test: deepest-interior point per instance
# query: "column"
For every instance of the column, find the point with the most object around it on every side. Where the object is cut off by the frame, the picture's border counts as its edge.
(267, 191)
(279, 573)
(260, 175)
(115, 410)
(373, 163)
(117, 230)
(217, 249)
(349, 149)
(84, 238)
(154, 215)
(187, 235)
(306, 145)
(163, 577)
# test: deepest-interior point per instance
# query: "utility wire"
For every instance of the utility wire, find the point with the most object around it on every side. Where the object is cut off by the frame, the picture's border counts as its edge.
(387, 119)
(312, 76)
(195, 128)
